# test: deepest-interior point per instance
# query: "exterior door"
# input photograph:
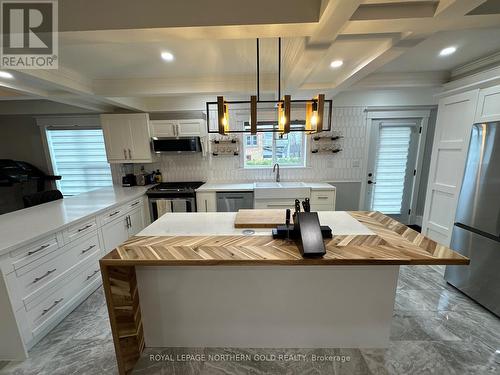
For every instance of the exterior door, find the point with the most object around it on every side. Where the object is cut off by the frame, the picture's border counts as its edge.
(391, 167)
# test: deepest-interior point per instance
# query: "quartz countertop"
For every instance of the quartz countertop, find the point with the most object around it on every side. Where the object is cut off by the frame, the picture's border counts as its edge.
(250, 186)
(222, 224)
(367, 238)
(23, 226)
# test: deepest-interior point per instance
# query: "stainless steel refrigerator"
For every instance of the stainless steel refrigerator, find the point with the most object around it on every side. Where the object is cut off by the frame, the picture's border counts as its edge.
(476, 233)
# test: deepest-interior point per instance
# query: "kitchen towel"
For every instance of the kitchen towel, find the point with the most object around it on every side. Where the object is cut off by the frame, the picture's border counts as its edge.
(163, 206)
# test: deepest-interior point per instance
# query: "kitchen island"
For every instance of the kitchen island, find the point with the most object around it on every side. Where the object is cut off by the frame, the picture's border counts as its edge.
(194, 280)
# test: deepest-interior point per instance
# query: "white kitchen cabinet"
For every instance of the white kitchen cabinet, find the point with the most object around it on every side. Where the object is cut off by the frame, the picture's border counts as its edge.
(323, 200)
(127, 138)
(121, 228)
(115, 233)
(163, 128)
(135, 221)
(191, 128)
(177, 128)
(451, 139)
(206, 202)
(488, 105)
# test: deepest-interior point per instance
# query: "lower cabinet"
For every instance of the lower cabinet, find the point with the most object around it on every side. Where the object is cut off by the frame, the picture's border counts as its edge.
(115, 233)
(206, 202)
(121, 228)
(42, 282)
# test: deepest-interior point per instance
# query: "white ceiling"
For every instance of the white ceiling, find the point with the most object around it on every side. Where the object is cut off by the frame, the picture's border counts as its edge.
(112, 58)
(470, 44)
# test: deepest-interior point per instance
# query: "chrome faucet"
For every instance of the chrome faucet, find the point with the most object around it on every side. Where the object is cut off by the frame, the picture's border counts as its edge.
(278, 172)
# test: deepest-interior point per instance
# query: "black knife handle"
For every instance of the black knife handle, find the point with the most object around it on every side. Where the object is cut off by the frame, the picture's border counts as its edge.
(287, 218)
(297, 206)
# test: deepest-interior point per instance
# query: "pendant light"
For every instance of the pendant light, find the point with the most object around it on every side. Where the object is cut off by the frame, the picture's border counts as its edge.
(222, 115)
(315, 118)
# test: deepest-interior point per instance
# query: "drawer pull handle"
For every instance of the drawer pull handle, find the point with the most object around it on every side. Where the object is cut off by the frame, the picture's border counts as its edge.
(44, 276)
(88, 249)
(39, 249)
(134, 204)
(85, 227)
(91, 276)
(114, 213)
(322, 197)
(51, 307)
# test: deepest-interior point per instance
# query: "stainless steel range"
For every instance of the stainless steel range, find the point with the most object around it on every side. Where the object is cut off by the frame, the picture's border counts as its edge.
(172, 197)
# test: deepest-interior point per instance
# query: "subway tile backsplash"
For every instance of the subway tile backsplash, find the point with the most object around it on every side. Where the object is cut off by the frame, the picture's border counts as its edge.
(346, 165)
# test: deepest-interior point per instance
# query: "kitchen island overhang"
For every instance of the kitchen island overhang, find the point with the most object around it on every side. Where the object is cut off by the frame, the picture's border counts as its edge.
(254, 291)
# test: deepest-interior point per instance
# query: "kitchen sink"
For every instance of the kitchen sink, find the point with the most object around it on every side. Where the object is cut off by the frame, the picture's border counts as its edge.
(284, 190)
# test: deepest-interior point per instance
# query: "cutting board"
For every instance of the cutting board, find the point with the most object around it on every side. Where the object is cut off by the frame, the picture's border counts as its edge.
(260, 218)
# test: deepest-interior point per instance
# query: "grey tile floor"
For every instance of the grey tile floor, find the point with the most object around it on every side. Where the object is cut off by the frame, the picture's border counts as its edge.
(435, 330)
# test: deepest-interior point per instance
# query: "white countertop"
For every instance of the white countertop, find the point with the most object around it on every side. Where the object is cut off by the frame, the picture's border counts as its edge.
(222, 223)
(250, 186)
(20, 227)
(226, 187)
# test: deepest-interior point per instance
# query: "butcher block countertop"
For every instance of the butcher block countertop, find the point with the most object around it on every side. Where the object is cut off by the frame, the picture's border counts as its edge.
(384, 242)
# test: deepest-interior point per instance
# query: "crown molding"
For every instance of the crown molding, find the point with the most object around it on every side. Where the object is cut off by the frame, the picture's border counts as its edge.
(476, 66)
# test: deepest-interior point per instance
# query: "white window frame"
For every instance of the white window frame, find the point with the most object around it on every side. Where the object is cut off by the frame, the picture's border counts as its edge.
(374, 113)
(64, 123)
(305, 149)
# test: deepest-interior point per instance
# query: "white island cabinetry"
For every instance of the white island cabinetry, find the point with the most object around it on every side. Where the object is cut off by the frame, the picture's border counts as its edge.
(44, 277)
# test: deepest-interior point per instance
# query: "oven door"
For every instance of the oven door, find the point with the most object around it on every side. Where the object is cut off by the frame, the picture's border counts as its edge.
(160, 206)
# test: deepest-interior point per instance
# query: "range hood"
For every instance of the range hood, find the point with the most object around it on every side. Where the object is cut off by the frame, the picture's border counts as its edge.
(178, 145)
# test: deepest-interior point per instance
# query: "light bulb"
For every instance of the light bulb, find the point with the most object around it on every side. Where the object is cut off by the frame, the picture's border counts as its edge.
(314, 119)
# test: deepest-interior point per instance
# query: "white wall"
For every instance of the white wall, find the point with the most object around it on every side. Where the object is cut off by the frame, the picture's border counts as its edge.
(20, 139)
(343, 169)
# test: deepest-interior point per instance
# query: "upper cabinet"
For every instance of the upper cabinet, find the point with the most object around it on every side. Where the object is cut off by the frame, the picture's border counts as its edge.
(178, 128)
(127, 138)
(488, 105)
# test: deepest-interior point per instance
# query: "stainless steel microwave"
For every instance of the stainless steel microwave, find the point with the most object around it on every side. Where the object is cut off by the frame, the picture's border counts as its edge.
(185, 144)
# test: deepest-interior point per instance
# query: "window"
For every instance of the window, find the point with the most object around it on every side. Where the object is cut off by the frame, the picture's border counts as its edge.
(251, 140)
(392, 167)
(79, 156)
(266, 149)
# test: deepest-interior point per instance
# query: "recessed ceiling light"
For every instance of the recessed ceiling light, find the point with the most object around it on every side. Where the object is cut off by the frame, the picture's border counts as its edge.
(336, 63)
(448, 51)
(5, 75)
(167, 56)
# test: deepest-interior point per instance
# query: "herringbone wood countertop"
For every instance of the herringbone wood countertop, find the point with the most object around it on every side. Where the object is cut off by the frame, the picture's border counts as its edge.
(392, 243)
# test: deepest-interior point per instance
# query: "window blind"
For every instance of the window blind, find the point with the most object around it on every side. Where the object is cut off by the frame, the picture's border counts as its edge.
(79, 156)
(392, 159)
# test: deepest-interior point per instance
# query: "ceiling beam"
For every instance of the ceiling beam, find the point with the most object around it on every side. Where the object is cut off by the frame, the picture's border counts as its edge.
(85, 15)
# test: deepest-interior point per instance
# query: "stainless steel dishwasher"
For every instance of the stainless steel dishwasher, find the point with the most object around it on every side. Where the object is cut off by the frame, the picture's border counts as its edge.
(232, 201)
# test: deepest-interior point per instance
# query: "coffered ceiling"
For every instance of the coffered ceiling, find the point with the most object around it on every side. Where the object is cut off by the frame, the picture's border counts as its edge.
(110, 50)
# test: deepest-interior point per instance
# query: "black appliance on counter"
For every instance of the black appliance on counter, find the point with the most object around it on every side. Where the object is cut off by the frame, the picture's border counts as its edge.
(172, 197)
(19, 179)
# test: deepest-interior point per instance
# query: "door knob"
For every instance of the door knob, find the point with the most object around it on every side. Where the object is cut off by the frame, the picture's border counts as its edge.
(371, 182)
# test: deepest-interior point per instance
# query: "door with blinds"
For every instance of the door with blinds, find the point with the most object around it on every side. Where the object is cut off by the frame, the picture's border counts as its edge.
(391, 167)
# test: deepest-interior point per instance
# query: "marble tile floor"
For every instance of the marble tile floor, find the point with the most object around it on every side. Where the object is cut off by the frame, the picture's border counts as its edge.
(435, 330)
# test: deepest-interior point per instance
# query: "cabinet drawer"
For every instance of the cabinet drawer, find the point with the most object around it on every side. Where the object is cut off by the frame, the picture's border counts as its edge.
(27, 254)
(323, 198)
(47, 306)
(134, 204)
(79, 230)
(32, 283)
(113, 214)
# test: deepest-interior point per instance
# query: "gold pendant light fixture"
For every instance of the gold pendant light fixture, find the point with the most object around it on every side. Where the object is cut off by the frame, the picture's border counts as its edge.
(314, 120)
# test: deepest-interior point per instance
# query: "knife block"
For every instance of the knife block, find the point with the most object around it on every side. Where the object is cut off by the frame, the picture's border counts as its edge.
(307, 232)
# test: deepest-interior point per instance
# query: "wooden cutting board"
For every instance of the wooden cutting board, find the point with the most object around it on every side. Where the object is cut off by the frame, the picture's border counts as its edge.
(260, 218)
